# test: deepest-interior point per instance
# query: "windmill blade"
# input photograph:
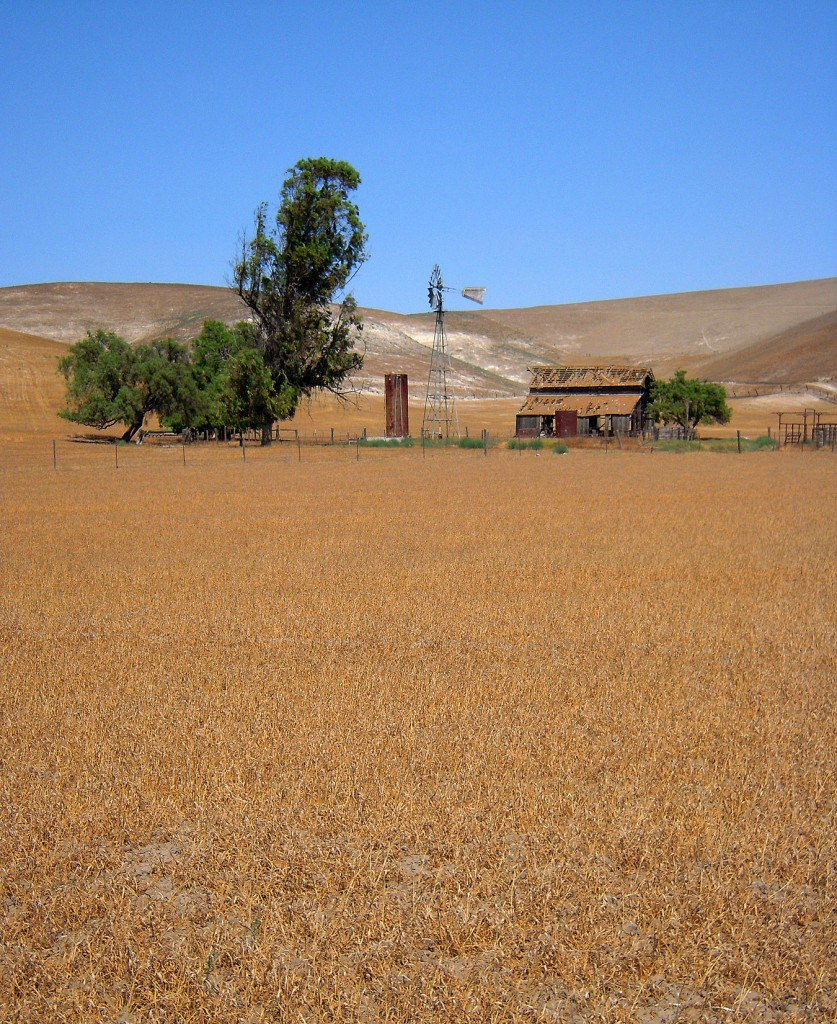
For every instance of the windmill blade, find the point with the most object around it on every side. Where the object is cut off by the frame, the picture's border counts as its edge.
(474, 294)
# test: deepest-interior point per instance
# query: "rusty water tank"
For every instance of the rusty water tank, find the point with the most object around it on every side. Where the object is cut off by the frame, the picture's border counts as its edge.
(398, 414)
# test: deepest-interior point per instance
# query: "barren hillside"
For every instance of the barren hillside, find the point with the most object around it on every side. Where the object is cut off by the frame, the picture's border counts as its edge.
(689, 330)
(138, 312)
(783, 333)
(804, 352)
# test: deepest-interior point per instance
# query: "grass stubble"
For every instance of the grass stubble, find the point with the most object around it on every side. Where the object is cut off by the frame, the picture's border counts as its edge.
(440, 739)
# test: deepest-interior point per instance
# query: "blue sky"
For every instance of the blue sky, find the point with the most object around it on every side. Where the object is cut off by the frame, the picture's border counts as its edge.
(553, 152)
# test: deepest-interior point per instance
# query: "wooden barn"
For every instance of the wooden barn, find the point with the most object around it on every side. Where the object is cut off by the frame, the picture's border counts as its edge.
(565, 401)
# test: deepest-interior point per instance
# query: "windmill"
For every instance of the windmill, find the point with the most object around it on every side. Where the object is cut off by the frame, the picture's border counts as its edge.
(440, 419)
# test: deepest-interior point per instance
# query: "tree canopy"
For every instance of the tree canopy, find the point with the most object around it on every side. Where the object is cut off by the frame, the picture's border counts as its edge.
(687, 401)
(291, 273)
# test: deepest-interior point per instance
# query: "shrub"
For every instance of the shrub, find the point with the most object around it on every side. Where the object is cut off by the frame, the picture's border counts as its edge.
(763, 442)
(386, 442)
(517, 443)
(678, 446)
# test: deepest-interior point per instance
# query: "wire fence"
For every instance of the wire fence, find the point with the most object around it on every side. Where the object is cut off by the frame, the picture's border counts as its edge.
(170, 452)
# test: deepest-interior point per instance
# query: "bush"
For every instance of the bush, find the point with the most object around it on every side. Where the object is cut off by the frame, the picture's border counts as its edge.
(517, 443)
(386, 442)
(678, 446)
(455, 442)
(559, 449)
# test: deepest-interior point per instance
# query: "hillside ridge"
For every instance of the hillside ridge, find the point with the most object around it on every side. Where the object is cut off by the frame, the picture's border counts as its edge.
(785, 333)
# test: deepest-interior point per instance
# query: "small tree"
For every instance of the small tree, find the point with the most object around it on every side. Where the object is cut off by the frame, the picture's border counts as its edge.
(166, 379)
(211, 352)
(109, 382)
(247, 395)
(102, 385)
(290, 274)
(687, 401)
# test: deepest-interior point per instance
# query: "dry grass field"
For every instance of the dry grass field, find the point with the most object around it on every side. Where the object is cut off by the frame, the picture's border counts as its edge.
(406, 738)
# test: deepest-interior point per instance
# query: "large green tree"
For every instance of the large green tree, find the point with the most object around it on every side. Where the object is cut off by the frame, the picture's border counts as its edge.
(687, 401)
(292, 275)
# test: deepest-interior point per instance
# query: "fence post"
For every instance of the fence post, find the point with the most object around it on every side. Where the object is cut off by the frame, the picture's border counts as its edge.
(485, 442)
(183, 446)
(738, 439)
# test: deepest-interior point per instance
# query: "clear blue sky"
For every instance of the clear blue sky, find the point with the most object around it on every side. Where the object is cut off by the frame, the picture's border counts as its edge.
(554, 152)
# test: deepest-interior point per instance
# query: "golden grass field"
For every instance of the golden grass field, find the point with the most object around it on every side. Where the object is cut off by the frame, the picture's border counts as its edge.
(405, 738)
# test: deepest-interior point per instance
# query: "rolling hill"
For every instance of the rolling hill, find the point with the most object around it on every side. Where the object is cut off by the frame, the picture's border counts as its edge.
(783, 333)
(803, 352)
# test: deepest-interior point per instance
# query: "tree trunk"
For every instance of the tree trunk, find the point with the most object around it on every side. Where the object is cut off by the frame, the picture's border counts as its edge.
(267, 433)
(129, 433)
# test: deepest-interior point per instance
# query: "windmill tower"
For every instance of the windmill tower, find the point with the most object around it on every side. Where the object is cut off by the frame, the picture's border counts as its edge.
(440, 418)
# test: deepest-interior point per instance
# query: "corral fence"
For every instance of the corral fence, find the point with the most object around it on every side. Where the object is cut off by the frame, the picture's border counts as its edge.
(654, 433)
(808, 427)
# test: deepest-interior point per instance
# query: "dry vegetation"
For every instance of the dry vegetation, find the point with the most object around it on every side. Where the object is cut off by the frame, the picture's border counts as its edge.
(516, 738)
